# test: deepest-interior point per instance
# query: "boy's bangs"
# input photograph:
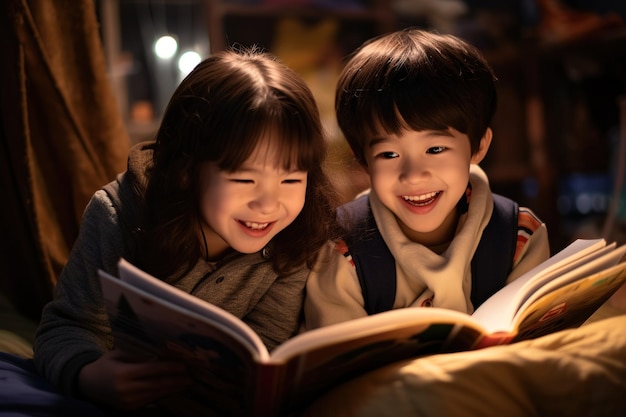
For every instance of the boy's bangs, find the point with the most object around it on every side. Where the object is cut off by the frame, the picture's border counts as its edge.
(391, 115)
(419, 103)
(401, 95)
(394, 109)
(438, 114)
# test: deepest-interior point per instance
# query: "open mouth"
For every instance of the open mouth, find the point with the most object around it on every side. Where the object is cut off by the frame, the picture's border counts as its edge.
(421, 200)
(254, 225)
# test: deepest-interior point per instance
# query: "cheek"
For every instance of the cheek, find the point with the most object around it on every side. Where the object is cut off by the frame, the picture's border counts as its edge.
(299, 201)
(376, 167)
(457, 178)
(213, 202)
(383, 175)
(210, 211)
(294, 201)
(460, 170)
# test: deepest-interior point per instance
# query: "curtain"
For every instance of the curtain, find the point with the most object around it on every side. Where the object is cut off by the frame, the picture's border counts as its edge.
(62, 138)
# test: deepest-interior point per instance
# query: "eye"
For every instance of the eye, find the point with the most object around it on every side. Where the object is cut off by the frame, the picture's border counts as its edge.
(242, 181)
(436, 149)
(292, 181)
(387, 155)
(297, 177)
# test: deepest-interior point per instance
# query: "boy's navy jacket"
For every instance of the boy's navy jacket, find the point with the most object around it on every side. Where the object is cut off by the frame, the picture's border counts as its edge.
(376, 267)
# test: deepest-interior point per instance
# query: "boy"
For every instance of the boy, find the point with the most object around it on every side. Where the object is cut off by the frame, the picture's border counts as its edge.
(416, 108)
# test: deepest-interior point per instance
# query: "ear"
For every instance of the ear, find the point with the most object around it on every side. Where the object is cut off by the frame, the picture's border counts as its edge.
(483, 147)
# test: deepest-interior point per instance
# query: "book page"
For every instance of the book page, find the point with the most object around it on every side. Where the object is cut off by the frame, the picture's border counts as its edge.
(497, 312)
(140, 279)
(219, 360)
(328, 356)
(536, 285)
(569, 305)
(592, 267)
(352, 331)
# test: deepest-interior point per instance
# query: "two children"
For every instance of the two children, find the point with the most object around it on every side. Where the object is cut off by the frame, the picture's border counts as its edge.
(416, 109)
(216, 206)
(219, 205)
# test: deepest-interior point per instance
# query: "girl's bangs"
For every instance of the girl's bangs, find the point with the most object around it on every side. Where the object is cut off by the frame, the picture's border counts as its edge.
(299, 144)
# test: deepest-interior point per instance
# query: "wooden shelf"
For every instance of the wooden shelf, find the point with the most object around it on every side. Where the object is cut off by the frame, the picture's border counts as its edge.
(225, 9)
(223, 16)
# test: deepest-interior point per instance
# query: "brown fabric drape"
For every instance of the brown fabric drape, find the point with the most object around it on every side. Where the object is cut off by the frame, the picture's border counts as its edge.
(62, 135)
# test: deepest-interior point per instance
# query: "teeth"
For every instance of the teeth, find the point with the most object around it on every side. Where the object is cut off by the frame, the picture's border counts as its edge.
(422, 197)
(256, 226)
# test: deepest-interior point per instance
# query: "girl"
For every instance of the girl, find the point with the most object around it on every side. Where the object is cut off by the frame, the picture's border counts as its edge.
(216, 206)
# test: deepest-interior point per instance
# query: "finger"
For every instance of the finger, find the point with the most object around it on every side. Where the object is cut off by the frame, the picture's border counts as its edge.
(144, 392)
(151, 370)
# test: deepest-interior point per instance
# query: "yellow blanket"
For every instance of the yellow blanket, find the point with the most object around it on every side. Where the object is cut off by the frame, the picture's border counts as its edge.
(577, 372)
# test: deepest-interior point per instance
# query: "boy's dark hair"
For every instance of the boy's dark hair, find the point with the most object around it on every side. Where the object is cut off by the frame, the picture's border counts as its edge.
(219, 113)
(417, 80)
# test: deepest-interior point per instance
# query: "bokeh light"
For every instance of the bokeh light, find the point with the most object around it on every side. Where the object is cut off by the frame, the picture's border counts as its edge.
(165, 47)
(188, 61)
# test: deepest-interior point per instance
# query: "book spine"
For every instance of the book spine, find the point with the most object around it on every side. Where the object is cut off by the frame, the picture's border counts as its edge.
(269, 396)
(494, 339)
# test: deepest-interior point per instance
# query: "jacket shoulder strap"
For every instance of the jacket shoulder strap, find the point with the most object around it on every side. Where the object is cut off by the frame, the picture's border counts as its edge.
(374, 263)
(493, 260)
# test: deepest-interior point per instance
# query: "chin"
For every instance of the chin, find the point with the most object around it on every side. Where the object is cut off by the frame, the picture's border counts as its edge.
(248, 249)
(422, 228)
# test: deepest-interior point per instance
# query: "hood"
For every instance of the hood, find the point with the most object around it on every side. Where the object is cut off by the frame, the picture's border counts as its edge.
(139, 162)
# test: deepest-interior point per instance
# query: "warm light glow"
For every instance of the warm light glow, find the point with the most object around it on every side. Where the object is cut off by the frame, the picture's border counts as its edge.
(188, 61)
(165, 47)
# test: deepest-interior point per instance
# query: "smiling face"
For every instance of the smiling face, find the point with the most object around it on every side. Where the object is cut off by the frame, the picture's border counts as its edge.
(246, 208)
(420, 176)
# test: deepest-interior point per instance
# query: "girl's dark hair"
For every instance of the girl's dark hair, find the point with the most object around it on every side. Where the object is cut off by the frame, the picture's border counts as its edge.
(417, 80)
(219, 113)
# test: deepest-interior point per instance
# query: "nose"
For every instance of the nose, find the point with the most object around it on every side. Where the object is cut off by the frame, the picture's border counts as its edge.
(265, 201)
(413, 171)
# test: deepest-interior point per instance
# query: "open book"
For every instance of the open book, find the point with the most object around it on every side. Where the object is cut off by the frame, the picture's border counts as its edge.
(237, 376)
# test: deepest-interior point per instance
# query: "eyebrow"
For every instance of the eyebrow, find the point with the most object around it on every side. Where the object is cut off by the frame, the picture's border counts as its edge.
(246, 169)
(375, 140)
(439, 132)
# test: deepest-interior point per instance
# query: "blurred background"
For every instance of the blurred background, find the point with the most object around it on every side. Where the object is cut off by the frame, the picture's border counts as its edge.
(557, 146)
